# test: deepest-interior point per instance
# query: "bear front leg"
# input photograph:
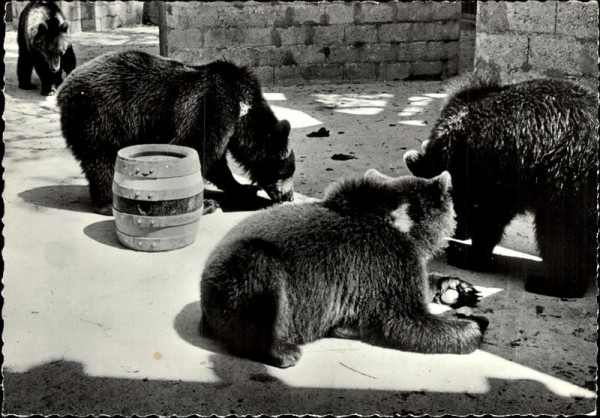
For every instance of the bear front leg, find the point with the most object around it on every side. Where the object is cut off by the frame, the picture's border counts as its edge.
(68, 61)
(220, 175)
(48, 79)
(452, 291)
(486, 229)
(423, 332)
(24, 70)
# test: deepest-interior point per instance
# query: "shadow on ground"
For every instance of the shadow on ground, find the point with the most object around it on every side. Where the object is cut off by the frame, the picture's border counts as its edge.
(250, 389)
(62, 196)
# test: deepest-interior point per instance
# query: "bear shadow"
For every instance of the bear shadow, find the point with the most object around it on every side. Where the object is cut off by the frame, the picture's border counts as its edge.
(229, 202)
(188, 325)
(68, 197)
(104, 233)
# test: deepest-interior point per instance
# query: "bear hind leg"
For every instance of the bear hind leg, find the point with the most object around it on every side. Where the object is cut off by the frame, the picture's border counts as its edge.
(24, 70)
(566, 245)
(99, 174)
(245, 305)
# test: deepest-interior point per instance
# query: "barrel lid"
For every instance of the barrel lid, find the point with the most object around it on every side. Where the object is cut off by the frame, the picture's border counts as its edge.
(157, 161)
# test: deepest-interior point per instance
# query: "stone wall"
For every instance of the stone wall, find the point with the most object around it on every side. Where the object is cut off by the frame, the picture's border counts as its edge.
(522, 40)
(329, 41)
(93, 15)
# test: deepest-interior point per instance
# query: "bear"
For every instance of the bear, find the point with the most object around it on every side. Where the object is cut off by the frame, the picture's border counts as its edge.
(352, 265)
(44, 43)
(133, 97)
(530, 146)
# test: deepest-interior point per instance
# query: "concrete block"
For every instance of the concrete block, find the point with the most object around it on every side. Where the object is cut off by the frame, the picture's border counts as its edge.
(394, 71)
(362, 71)
(304, 55)
(307, 14)
(441, 50)
(544, 51)
(395, 32)
(287, 73)
(338, 12)
(327, 72)
(433, 31)
(328, 35)
(521, 17)
(186, 38)
(373, 12)
(377, 53)
(275, 56)
(577, 19)
(499, 54)
(427, 11)
(296, 35)
(343, 53)
(354, 34)
(426, 68)
(237, 36)
(588, 63)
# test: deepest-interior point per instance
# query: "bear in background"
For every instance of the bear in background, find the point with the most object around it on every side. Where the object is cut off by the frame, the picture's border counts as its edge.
(44, 44)
(530, 146)
(131, 97)
(352, 266)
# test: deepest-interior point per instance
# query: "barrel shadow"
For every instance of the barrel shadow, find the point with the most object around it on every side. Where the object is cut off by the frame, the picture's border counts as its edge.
(104, 233)
(62, 196)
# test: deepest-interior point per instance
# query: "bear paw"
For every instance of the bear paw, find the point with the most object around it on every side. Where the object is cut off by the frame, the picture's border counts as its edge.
(455, 292)
(284, 355)
(210, 206)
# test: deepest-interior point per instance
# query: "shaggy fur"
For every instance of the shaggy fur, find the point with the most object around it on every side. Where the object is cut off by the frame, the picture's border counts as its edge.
(44, 44)
(132, 97)
(531, 146)
(345, 266)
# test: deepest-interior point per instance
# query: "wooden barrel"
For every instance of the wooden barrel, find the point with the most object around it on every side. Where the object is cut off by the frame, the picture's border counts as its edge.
(157, 196)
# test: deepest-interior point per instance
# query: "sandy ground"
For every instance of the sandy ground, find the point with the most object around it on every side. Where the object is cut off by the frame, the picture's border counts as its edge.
(93, 328)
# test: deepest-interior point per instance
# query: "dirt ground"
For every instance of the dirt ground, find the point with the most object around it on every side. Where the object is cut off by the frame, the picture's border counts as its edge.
(92, 328)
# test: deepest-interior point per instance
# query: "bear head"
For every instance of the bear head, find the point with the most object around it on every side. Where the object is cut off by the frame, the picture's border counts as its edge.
(52, 39)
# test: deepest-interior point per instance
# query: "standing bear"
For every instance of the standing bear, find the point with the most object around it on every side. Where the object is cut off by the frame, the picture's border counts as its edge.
(353, 265)
(131, 97)
(44, 44)
(530, 146)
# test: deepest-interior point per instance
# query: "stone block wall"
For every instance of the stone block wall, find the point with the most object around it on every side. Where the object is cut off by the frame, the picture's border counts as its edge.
(523, 40)
(93, 15)
(329, 41)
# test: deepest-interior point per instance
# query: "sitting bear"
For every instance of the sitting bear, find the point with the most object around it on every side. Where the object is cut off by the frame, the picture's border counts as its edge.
(352, 265)
(131, 97)
(44, 44)
(530, 146)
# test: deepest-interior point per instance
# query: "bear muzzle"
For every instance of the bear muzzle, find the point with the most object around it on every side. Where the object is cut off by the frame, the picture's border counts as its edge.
(281, 191)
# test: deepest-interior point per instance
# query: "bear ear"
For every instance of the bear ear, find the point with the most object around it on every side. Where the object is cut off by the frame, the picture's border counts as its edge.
(411, 160)
(42, 28)
(64, 26)
(445, 180)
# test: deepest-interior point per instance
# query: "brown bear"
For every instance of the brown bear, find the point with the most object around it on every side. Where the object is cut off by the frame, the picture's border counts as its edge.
(132, 97)
(352, 265)
(530, 146)
(44, 44)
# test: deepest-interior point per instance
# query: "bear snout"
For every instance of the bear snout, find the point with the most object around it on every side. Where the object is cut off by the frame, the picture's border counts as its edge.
(54, 64)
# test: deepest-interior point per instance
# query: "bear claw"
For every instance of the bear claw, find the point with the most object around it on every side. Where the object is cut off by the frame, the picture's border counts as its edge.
(455, 292)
